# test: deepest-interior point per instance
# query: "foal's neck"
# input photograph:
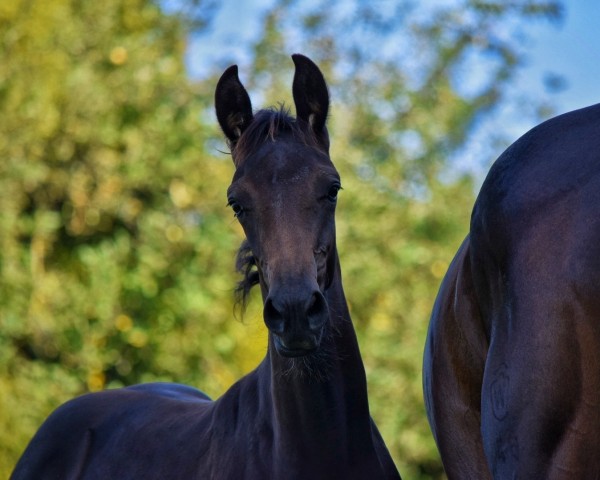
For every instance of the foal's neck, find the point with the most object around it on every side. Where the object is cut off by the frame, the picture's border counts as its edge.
(320, 401)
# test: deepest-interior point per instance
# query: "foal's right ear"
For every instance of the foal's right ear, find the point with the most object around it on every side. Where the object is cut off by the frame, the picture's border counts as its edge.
(232, 103)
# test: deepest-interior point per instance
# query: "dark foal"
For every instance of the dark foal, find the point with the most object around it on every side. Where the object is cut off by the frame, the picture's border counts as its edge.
(303, 413)
(512, 361)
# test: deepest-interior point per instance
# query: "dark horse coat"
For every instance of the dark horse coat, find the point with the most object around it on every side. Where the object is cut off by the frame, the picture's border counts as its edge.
(303, 413)
(512, 361)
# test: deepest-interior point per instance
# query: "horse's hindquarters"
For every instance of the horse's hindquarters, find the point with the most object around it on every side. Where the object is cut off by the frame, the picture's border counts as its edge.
(541, 389)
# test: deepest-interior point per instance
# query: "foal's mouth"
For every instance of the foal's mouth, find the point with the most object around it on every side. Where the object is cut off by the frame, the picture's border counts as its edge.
(297, 348)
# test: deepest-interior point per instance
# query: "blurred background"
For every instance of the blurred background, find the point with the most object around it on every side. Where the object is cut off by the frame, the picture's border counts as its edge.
(116, 248)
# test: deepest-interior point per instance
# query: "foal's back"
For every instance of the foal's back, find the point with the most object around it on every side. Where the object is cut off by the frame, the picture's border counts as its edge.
(92, 436)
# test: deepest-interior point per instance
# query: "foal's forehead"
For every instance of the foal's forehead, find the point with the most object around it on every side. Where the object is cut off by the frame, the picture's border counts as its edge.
(286, 163)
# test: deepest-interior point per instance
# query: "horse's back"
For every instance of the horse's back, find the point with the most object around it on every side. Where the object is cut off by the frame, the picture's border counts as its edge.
(531, 297)
(555, 165)
(118, 434)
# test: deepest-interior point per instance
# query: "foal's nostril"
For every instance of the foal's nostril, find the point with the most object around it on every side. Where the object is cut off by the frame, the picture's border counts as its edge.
(296, 320)
(282, 314)
(317, 312)
(274, 319)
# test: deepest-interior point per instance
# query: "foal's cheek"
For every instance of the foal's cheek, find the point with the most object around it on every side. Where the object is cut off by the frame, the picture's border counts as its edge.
(321, 263)
(251, 236)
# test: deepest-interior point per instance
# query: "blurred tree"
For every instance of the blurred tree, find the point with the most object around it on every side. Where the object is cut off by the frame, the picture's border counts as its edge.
(113, 241)
(116, 254)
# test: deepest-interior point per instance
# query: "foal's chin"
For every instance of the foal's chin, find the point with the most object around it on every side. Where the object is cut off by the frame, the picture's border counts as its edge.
(311, 364)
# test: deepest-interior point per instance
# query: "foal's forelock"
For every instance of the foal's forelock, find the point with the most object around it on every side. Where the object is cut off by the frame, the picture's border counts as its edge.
(246, 265)
(267, 125)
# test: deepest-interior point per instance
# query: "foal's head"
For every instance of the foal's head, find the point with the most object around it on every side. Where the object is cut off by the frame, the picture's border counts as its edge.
(284, 193)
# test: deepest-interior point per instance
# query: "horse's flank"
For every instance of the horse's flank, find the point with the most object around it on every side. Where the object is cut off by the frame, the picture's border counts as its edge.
(512, 363)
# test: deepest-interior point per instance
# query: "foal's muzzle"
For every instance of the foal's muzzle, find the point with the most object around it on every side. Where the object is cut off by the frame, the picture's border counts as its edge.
(296, 320)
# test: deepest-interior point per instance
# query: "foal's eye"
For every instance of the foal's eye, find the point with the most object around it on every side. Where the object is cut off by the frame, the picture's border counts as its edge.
(333, 193)
(236, 207)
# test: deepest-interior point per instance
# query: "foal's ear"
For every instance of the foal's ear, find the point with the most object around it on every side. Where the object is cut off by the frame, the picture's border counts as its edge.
(310, 93)
(232, 103)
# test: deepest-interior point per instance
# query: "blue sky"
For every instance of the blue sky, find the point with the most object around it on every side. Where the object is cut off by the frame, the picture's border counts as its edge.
(569, 49)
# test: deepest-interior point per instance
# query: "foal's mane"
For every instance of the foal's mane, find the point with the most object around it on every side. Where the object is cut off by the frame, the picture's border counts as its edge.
(266, 125)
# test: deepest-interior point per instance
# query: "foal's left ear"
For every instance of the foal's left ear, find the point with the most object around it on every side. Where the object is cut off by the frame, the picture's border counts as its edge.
(232, 103)
(310, 93)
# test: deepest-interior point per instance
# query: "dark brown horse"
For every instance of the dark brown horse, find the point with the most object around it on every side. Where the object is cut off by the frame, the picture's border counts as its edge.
(512, 361)
(303, 413)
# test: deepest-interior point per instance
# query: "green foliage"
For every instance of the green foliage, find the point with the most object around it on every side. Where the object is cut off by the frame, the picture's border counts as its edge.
(116, 250)
(116, 256)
